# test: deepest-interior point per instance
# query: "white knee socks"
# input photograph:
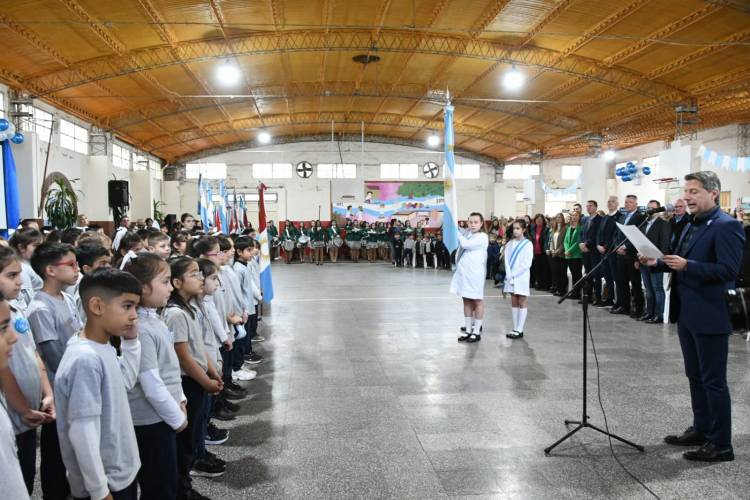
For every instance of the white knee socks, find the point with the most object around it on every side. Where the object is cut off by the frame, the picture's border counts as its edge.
(467, 323)
(477, 326)
(521, 319)
(514, 312)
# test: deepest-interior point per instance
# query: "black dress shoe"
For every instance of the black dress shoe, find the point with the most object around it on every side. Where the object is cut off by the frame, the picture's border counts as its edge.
(464, 338)
(636, 315)
(474, 338)
(654, 320)
(710, 453)
(463, 328)
(597, 303)
(514, 335)
(619, 310)
(690, 437)
(643, 317)
(222, 414)
(232, 394)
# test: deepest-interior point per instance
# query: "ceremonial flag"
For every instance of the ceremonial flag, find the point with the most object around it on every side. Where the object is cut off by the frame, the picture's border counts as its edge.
(210, 209)
(11, 208)
(203, 202)
(266, 283)
(223, 208)
(245, 223)
(233, 223)
(450, 214)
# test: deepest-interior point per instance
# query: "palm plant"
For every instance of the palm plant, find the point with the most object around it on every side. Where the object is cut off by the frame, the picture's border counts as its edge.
(158, 214)
(61, 204)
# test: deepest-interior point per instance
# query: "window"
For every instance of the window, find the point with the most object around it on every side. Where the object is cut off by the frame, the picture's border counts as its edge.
(73, 137)
(43, 124)
(467, 171)
(250, 197)
(140, 162)
(337, 171)
(206, 170)
(571, 172)
(520, 171)
(272, 170)
(399, 170)
(120, 157)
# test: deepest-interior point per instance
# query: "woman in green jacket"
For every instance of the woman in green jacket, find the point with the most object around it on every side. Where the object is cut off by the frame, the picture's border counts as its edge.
(289, 240)
(573, 255)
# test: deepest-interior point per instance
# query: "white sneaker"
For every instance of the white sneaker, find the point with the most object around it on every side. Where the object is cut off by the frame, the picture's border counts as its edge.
(251, 373)
(258, 338)
(242, 375)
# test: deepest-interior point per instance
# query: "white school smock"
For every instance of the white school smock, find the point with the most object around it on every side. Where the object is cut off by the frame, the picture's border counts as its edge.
(517, 278)
(471, 268)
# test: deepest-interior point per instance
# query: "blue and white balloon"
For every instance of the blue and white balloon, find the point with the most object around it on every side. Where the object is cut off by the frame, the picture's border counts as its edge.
(4, 124)
(17, 138)
(632, 169)
(646, 170)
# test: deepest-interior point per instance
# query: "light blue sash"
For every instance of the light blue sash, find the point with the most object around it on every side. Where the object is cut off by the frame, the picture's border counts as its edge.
(517, 252)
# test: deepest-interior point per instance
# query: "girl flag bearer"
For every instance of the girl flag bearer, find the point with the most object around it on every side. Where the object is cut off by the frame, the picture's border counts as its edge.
(519, 254)
(468, 280)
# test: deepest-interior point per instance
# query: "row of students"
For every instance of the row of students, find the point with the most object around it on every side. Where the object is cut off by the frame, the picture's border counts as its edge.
(53, 318)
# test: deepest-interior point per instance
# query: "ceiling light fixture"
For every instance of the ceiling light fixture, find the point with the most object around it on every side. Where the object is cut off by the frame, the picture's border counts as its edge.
(228, 74)
(264, 137)
(609, 155)
(513, 79)
(433, 140)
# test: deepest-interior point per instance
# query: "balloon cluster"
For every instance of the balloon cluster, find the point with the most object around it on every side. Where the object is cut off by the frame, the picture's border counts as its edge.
(8, 131)
(630, 172)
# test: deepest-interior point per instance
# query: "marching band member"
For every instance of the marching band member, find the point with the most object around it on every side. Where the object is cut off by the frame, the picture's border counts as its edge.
(289, 240)
(333, 235)
(353, 240)
(318, 241)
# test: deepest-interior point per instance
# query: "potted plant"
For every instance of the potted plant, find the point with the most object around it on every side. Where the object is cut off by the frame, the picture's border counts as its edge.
(158, 214)
(61, 204)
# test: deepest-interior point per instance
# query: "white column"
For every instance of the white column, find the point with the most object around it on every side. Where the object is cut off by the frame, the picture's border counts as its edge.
(141, 200)
(95, 199)
(594, 180)
(170, 196)
(504, 204)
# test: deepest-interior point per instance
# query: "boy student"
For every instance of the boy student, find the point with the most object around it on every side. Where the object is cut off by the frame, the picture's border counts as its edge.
(54, 319)
(245, 251)
(11, 478)
(89, 256)
(158, 243)
(97, 437)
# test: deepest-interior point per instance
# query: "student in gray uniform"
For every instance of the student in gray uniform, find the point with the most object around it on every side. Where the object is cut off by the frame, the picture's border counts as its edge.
(54, 319)
(25, 242)
(157, 404)
(199, 376)
(97, 440)
(11, 478)
(25, 384)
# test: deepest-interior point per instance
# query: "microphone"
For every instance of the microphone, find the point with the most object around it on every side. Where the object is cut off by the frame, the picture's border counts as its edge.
(666, 208)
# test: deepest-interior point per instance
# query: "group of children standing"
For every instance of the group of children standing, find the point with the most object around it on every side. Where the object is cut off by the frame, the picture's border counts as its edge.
(122, 368)
(471, 269)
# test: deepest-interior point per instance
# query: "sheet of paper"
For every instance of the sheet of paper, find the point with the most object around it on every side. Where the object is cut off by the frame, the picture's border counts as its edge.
(641, 243)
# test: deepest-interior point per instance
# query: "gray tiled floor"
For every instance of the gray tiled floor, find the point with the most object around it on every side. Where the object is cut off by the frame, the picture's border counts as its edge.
(367, 394)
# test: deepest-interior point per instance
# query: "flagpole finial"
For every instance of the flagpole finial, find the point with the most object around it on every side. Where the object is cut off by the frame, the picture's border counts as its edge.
(448, 95)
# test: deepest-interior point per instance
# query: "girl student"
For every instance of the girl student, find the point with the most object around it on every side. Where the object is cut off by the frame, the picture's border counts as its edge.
(130, 243)
(333, 235)
(24, 382)
(178, 243)
(25, 242)
(157, 402)
(468, 280)
(519, 255)
(318, 237)
(353, 240)
(373, 241)
(199, 377)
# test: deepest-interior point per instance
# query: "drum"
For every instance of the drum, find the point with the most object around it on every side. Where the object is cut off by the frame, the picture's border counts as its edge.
(288, 245)
(372, 244)
(318, 244)
(303, 240)
(337, 241)
(275, 242)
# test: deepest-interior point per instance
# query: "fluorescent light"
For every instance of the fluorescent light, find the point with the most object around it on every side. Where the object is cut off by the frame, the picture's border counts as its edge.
(433, 140)
(228, 74)
(264, 137)
(513, 79)
(609, 155)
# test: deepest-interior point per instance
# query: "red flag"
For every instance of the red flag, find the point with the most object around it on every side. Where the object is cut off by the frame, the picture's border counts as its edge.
(261, 209)
(217, 221)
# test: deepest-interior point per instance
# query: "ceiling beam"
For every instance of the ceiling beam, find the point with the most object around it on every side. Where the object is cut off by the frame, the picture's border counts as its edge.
(277, 14)
(347, 40)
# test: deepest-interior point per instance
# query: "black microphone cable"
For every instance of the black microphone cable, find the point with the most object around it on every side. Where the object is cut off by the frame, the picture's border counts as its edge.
(606, 425)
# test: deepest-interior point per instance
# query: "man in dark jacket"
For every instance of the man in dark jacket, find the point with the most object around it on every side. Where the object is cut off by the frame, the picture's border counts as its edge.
(590, 255)
(658, 231)
(605, 240)
(677, 223)
(704, 267)
(628, 277)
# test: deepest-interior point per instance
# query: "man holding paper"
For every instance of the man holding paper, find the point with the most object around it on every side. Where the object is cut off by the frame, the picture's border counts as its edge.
(704, 266)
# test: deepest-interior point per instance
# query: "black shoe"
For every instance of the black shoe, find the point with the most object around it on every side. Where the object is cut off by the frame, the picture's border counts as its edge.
(222, 414)
(608, 303)
(654, 320)
(643, 317)
(463, 329)
(215, 435)
(464, 337)
(474, 338)
(232, 394)
(236, 388)
(211, 457)
(230, 407)
(710, 453)
(636, 314)
(597, 303)
(206, 468)
(253, 358)
(619, 310)
(514, 335)
(690, 437)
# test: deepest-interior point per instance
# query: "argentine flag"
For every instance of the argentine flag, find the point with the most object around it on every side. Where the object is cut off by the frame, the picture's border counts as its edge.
(266, 282)
(450, 214)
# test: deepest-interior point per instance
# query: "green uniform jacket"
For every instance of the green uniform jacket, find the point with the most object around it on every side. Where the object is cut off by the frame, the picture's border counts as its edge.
(292, 234)
(353, 234)
(318, 234)
(572, 239)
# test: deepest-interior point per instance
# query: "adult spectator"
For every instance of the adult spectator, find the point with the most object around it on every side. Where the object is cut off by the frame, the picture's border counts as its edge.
(539, 233)
(573, 258)
(704, 267)
(628, 277)
(605, 241)
(657, 230)
(678, 223)
(557, 255)
(590, 229)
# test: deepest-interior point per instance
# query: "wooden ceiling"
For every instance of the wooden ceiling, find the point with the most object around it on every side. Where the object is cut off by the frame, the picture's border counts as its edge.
(146, 69)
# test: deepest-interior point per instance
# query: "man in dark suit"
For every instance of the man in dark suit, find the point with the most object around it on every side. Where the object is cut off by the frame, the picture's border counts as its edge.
(605, 240)
(678, 223)
(588, 250)
(657, 230)
(628, 277)
(704, 267)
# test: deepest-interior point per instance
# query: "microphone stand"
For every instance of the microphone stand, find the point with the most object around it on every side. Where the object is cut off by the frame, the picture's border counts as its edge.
(584, 423)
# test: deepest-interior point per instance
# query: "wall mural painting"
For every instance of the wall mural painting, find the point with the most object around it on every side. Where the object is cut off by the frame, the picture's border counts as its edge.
(386, 200)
